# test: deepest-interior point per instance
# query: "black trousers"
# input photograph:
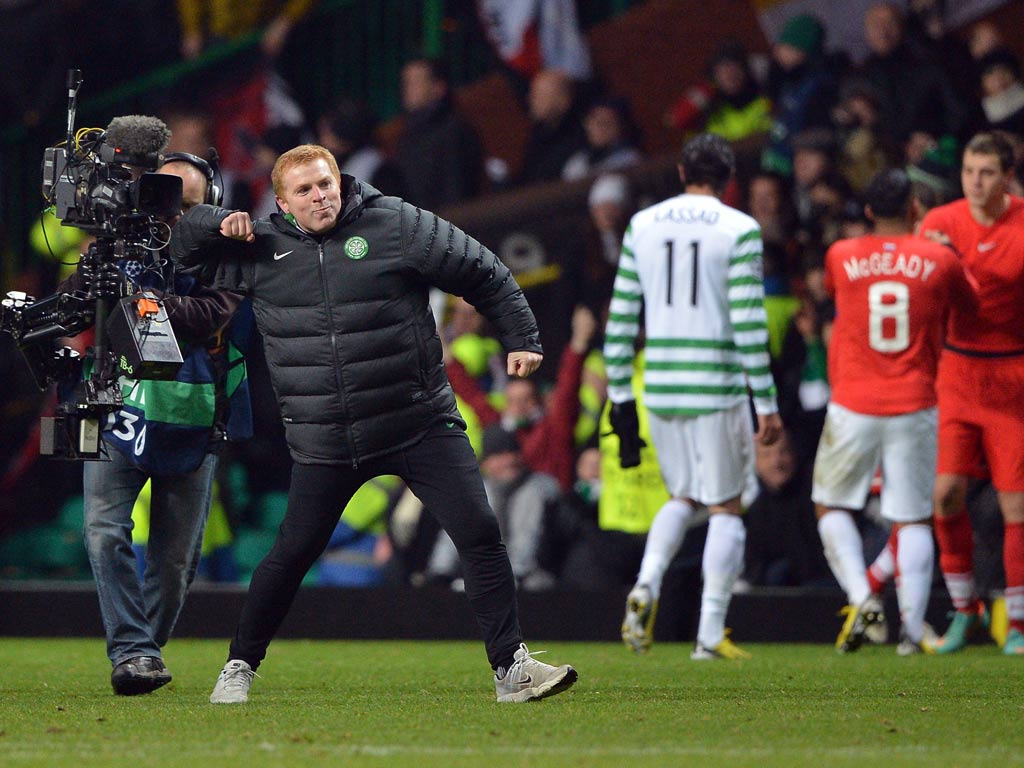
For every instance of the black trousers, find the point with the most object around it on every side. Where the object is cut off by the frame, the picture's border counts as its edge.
(442, 470)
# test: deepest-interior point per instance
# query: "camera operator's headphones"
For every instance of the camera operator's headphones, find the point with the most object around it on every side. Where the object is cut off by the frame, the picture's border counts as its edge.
(214, 194)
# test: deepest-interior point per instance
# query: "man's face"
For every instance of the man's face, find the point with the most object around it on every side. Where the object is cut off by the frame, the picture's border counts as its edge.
(809, 165)
(983, 179)
(883, 29)
(189, 133)
(588, 465)
(419, 88)
(465, 318)
(729, 77)
(193, 183)
(775, 464)
(765, 198)
(521, 402)
(602, 126)
(550, 96)
(788, 57)
(607, 217)
(997, 80)
(504, 467)
(984, 38)
(326, 137)
(312, 194)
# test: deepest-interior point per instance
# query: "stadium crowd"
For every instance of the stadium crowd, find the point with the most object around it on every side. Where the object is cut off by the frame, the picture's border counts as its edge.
(810, 128)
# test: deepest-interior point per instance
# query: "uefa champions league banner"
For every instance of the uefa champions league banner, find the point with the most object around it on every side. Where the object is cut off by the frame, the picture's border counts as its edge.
(844, 21)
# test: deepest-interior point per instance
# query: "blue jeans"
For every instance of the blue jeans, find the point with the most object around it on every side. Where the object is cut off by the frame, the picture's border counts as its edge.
(138, 616)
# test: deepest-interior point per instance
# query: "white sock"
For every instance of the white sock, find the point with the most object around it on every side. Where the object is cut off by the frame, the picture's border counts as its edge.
(723, 562)
(962, 590)
(663, 540)
(844, 551)
(915, 554)
(1014, 597)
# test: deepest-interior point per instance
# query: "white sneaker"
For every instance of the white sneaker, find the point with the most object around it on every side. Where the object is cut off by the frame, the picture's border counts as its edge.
(529, 679)
(233, 683)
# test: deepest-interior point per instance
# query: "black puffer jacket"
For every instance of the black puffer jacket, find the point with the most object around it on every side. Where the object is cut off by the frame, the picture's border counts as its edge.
(350, 340)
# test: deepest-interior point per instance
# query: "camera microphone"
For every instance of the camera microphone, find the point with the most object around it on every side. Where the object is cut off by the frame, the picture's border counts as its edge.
(137, 139)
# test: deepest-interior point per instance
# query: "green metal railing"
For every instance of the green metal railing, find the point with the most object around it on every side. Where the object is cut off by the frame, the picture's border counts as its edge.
(352, 48)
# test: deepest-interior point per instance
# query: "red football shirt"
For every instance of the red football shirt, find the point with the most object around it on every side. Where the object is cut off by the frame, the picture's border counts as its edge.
(892, 295)
(994, 257)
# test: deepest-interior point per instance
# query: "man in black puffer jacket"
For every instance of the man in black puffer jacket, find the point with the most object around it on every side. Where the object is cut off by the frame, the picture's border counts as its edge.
(340, 285)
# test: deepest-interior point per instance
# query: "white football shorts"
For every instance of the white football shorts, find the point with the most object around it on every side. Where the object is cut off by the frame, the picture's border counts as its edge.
(853, 445)
(705, 458)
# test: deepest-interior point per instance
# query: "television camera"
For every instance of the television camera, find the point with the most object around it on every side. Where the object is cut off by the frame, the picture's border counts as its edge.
(100, 181)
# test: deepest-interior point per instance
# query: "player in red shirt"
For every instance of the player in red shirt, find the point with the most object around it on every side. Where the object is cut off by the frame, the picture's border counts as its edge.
(981, 385)
(892, 291)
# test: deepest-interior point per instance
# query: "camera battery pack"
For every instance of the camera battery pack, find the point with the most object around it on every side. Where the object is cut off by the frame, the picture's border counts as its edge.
(140, 334)
(69, 438)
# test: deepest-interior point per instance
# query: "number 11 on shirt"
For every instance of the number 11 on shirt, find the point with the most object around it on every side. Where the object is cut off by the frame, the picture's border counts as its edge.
(694, 256)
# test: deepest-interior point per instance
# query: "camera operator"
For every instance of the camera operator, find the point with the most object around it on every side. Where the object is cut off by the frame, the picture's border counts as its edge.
(168, 432)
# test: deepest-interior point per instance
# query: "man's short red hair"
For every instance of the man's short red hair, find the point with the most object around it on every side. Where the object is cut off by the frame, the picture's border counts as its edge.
(304, 153)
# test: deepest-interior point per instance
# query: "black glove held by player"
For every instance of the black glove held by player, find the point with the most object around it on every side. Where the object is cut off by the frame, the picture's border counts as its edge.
(626, 425)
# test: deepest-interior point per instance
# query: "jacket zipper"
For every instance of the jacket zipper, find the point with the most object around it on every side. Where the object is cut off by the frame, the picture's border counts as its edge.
(337, 362)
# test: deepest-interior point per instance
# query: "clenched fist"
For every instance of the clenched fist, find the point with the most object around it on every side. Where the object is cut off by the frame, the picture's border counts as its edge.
(238, 226)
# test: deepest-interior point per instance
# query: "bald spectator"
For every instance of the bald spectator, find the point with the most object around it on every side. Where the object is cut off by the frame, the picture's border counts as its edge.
(556, 131)
(984, 37)
(914, 93)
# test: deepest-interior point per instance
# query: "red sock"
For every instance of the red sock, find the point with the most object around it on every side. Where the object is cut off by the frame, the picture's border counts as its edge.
(1013, 563)
(884, 566)
(956, 543)
(956, 557)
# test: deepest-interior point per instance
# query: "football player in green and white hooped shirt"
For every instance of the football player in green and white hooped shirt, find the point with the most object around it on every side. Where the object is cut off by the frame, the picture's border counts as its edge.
(694, 264)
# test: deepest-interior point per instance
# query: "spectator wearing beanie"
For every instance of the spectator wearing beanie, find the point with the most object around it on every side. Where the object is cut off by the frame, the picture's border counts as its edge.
(804, 33)
(801, 85)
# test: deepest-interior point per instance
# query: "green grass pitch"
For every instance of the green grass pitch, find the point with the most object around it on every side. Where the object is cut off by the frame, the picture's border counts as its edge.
(432, 704)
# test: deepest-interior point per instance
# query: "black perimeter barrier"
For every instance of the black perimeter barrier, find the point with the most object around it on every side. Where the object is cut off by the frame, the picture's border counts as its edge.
(762, 615)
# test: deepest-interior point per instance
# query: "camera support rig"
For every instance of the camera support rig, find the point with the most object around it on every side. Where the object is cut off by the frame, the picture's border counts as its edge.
(92, 186)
